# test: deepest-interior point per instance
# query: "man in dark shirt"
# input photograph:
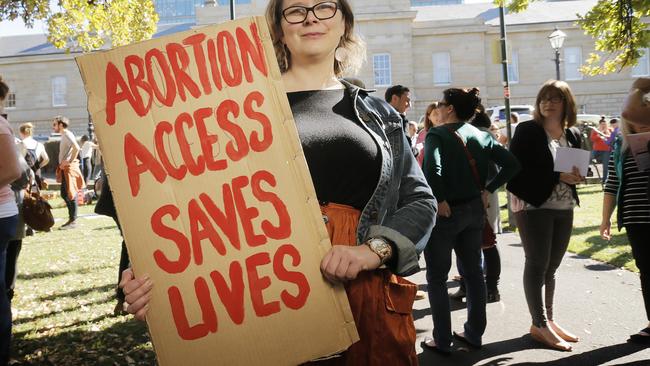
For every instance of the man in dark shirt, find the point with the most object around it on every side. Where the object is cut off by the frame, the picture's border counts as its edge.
(399, 97)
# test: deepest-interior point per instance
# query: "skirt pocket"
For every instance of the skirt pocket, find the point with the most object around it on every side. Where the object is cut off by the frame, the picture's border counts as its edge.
(399, 294)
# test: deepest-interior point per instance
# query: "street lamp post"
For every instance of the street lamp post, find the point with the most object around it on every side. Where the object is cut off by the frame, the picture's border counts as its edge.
(557, 40)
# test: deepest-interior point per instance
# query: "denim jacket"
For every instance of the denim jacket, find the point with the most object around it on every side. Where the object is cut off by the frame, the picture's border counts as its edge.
(402, 208)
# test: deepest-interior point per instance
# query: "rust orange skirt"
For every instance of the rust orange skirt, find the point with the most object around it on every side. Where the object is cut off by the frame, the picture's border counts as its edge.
(381, 304)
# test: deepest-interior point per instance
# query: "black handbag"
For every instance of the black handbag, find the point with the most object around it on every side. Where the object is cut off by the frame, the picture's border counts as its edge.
(37, 212)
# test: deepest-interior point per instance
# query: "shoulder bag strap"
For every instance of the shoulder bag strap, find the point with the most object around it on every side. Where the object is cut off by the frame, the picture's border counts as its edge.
(470, 158)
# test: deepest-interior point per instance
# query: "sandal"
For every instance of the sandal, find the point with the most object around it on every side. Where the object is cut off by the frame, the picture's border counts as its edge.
(425, 345)
(639, 338)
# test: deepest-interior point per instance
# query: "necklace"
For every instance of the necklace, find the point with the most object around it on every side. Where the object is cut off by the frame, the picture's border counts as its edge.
(552, 139)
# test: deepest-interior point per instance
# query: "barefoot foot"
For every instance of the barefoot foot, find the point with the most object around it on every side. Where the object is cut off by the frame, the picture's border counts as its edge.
(563, 333)
(548, 337)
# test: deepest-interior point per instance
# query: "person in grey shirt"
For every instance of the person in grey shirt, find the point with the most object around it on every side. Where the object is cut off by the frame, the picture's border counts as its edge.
(68, 151)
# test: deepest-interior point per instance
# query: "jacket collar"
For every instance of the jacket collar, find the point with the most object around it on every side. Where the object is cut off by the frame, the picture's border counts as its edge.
(352, 88)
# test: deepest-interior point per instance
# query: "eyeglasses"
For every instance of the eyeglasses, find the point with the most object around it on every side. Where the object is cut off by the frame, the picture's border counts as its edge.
(443, 104)
(298, 13)
(554, 99)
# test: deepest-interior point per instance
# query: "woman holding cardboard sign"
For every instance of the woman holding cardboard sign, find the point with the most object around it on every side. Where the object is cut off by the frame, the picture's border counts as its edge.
(543, 202)
(374, 198)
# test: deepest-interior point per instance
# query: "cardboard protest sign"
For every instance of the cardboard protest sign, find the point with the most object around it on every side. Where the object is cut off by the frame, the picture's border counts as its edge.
(639, 146)
(215, 198)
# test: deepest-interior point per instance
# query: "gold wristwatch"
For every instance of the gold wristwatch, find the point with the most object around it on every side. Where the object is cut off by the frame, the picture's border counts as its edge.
(380, 247)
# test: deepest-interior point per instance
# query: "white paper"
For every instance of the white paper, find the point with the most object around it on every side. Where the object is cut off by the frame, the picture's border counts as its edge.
(567, 157)
(639, 148)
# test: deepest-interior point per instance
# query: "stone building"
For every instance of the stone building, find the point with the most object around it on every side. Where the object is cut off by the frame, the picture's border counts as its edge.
(419, 43)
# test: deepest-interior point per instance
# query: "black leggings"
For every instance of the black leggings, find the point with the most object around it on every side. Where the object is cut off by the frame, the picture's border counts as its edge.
(492, 268)
(13, 250)
(545, 236)
(638, 236)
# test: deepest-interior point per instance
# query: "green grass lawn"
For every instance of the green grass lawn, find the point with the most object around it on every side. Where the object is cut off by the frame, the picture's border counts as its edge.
(585, 239)
(65, 293)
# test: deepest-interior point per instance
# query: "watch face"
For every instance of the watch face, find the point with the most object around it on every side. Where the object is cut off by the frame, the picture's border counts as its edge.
(380, 247)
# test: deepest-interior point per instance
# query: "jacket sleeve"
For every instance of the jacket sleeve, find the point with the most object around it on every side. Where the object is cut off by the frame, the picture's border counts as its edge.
(409, 227)
(432, 166)
(523, 147)
(506, 161)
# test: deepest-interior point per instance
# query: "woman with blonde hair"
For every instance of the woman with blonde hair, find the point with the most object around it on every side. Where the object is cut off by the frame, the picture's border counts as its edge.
(36, 155)
(378, 206)
(543, 202)
(627, 188)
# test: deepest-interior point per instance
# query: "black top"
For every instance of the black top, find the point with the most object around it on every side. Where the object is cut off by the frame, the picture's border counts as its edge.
(344, 160)
(536, 179)
(105, 205)
(636, 205)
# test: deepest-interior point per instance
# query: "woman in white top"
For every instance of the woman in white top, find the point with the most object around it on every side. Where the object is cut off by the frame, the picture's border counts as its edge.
(34, 150)
(9, 171)
(85, 155)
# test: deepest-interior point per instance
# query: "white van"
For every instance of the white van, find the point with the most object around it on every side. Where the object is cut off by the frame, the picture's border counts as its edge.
(498, 114)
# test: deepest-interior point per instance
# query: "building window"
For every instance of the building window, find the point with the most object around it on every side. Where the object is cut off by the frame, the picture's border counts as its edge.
(59, 91)
(441, 68)
(435, 2)
(10, 102)
(381, 68)
(184, 11)
(513, 68)
(642, 68)
(572, 63)
(177, 11)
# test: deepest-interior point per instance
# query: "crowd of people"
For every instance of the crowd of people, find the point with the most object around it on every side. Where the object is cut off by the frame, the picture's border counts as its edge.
(437, 195)
(23, 160)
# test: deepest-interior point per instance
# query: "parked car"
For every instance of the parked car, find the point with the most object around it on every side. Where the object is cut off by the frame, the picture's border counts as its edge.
(498, 114)
(590, 119)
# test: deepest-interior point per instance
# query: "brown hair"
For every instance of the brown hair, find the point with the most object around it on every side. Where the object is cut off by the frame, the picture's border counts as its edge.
(27, 129)
(465, 101)
(355, 48)
(4, 89)
(62, 120)
(569, 116)
(427, 122)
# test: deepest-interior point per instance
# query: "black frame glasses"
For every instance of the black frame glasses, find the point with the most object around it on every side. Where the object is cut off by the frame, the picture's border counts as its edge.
(290, 14)
(556, 99)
